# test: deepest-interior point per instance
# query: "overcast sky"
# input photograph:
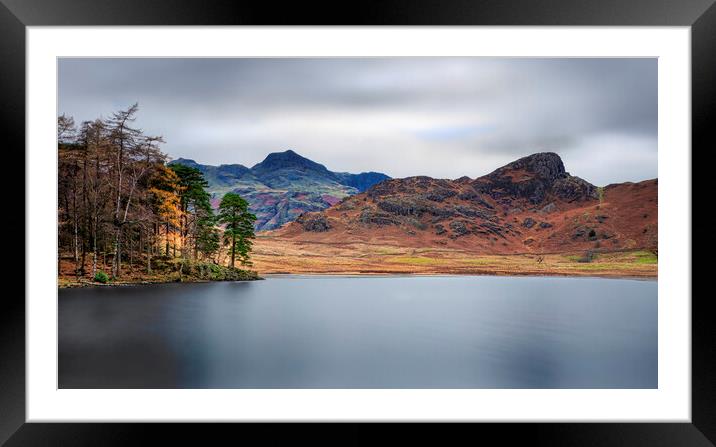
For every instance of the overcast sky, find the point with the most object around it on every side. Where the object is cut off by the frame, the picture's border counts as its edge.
(442, 117)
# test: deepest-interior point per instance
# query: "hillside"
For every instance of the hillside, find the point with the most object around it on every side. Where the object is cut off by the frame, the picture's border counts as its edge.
(283, 186)
(530, 206)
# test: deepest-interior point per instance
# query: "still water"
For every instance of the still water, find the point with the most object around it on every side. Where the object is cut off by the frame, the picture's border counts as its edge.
(367, 332)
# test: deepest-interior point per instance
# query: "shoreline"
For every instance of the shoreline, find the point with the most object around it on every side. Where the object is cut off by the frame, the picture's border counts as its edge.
(456, 275)
(388, 261)
(83, 284)
(289, 275)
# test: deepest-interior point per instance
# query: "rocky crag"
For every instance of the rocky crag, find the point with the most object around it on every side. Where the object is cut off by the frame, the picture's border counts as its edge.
(530, 205)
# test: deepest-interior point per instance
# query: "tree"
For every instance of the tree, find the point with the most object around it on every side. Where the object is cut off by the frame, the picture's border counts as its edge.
(93, 136)
(136, 156)
(123, 137)
(197, 216)
(207, 237)
(70, 156)
(164, 190)
(66, 129)
(239, 231)
(117, 198)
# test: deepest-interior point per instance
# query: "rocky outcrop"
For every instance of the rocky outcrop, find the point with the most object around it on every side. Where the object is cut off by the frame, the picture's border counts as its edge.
(316, 223)
(369, 217)
(574, 188)
(531, 205)
(401, 207)
(535, 178)
(459, 228)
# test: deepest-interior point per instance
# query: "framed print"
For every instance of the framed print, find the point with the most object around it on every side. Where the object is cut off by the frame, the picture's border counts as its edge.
(457, 220)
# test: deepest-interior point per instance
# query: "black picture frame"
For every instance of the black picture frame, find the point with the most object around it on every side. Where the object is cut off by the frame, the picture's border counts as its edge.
(16, 15)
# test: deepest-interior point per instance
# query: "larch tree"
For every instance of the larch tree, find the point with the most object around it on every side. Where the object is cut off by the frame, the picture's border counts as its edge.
(116, 196)
(164, 190)
(136, 154)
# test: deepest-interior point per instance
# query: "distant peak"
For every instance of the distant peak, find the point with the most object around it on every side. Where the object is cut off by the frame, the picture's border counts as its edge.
(285, 155)
(540, 158)
(288, 159)
(286, 152)
(545, 164)
(184, 161)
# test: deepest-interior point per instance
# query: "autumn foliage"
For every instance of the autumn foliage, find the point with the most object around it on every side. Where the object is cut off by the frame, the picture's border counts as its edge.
(120, 207)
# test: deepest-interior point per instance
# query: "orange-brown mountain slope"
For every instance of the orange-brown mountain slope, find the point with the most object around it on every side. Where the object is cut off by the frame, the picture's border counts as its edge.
(531, 205)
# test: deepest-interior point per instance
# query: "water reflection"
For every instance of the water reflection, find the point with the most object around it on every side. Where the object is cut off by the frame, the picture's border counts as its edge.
(348, 332)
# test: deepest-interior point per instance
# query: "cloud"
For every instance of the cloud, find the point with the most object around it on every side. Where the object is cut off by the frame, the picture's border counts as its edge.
(443, 117)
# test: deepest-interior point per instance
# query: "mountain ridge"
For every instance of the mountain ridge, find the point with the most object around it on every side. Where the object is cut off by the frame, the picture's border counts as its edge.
(529, 205)
(283, 186)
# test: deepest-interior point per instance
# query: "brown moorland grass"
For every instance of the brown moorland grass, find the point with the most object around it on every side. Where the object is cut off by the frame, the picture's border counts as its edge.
(273, 255)
(280, 256)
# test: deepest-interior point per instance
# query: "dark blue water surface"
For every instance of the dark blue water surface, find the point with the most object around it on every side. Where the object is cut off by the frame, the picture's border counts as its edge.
(362, 332)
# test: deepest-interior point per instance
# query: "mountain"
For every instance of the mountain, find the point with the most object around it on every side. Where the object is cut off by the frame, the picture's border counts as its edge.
(283, 186)
(222, 175)
(361, 181)
(530, 205)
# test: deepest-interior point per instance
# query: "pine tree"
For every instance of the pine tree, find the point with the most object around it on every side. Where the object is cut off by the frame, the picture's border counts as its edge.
(239, 231)
(197, 215)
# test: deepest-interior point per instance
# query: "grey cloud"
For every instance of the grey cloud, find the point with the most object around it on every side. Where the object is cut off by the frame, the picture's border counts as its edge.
(402, 116)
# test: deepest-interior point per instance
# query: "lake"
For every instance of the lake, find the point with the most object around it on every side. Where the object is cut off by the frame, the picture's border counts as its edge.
(362, 332)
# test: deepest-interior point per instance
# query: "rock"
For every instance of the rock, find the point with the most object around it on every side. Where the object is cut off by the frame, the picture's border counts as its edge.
(529, 222)
(401, 207)
(469, 212)
(473, 196)
(459, 228)
(585, 233)
(491, 228)
(549, 208)
(439, 229)
(440, 212)
(440, 194)
(544, 165)
(545, 225)
(574, 188)
(380, 219)
(534, 178)
(316, 223)
(415, 223)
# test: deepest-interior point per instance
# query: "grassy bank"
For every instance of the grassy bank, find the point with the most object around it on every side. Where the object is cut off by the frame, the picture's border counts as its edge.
(163, 270)
(359, 258)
